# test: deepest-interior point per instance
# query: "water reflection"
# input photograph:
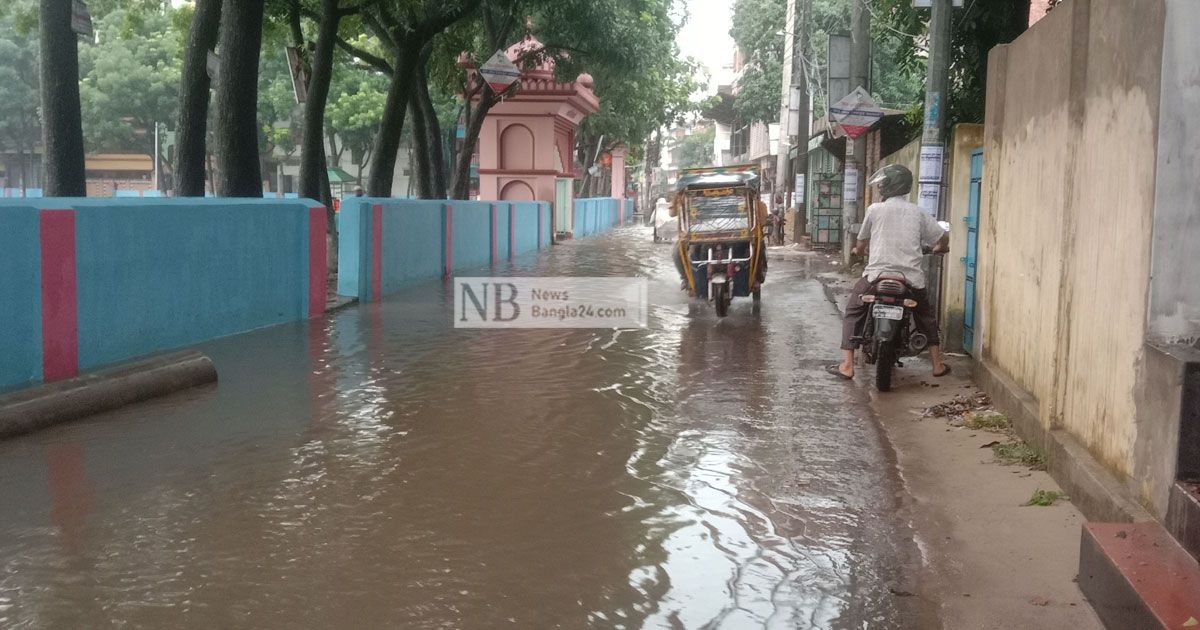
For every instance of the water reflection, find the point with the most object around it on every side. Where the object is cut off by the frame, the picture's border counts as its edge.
(382, 469)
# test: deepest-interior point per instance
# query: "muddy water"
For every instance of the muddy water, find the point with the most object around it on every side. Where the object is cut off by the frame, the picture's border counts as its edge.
(381, 469)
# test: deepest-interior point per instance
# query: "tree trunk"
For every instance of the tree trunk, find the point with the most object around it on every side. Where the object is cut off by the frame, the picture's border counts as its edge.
(435, 159)
(312, 149)
(387, 140)
(420, 170)
(192, 126)
(62, 123)
(460, 186)
(239, 43)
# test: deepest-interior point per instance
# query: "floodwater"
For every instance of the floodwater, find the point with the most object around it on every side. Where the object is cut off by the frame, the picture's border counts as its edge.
(381, 469)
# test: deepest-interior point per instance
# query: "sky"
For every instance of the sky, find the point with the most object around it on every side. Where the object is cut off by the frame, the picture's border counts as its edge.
(705, 36)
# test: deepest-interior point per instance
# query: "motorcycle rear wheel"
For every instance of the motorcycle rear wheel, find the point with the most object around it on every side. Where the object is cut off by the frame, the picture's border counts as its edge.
(885, 362)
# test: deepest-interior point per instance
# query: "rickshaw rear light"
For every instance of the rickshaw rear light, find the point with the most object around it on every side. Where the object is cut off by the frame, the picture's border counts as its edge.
(910, 303)
(867, 299)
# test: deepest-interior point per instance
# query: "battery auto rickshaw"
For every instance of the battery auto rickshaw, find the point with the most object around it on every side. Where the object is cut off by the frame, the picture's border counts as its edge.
(721, 251)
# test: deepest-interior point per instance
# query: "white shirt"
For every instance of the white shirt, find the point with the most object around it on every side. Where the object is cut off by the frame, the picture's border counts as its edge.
(897, 230)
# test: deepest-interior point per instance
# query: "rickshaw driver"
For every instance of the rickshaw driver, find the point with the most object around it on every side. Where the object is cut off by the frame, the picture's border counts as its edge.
(761, 220)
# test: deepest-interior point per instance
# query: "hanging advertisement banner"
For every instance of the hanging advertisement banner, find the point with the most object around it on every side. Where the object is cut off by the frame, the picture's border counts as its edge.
(850, 185)
(928, 198)
(932, 159)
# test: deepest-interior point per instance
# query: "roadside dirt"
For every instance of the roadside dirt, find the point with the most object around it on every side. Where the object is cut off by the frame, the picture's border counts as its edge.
(990, 561)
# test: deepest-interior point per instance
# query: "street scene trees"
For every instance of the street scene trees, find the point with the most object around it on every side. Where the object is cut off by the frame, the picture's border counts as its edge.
(599, 313)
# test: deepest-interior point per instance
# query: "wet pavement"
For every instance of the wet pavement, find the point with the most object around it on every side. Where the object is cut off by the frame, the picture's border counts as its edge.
(381, 469)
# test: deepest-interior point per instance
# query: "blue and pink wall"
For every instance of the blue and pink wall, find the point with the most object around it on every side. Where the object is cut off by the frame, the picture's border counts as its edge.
(386, 244)
(89, 282)
(600, 214)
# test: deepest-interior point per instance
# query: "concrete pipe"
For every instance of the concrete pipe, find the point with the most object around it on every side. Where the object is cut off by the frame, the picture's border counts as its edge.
(63, 401)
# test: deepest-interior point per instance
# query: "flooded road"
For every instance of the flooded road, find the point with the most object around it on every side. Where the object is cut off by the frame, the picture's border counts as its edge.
(380, 469)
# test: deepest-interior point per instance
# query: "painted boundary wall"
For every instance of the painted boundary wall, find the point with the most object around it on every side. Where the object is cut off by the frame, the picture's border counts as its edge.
(964, 139)
(386, 244)
(598, 214)
(89, 282)
(1071, 173)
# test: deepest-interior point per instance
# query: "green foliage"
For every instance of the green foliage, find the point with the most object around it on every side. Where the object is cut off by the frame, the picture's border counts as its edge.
(356, 101)
(1018, 452)
(130, 80)
(975, 31)
(20, 127)
(1045, 498)
(279, 116)
(758, 31)
(696, 150)
(987, 420)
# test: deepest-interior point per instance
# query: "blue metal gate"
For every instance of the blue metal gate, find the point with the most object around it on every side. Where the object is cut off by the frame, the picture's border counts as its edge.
(972, 220)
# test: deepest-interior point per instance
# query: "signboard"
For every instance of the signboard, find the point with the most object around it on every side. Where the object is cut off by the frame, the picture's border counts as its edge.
(299, 72)
(850, 184)
(839, 67)
(856, 112)
(499, 72)
(926, 4)
(81, 20)
(799, 192)
(931, 164)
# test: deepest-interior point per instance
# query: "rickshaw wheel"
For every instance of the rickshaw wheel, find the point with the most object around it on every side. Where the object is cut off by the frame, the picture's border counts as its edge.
(721, 299)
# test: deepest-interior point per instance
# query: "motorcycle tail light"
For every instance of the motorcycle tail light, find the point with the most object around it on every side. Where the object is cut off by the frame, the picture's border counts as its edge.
(910, 303)
(867, 299)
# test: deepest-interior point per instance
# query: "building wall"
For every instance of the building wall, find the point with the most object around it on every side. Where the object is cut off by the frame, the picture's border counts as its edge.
(1068, 202)
(964, 140)
(909, 156)
(1175, 293)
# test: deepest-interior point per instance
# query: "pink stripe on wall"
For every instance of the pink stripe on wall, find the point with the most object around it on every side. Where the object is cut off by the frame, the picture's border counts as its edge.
(449, 245)
(495, 229)
(512, 230)
(376, 252)
(318, 262)
(60, 316)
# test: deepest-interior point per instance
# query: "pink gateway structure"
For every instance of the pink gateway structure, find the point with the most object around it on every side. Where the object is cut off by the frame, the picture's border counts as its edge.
(526, 146)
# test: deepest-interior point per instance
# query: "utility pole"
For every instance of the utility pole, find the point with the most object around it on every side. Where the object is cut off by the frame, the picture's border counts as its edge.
(804, 120)
(789, 55)
(933, 145)
(856, 149)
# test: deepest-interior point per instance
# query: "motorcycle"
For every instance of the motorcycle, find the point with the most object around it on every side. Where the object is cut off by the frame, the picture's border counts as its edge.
(890, 332)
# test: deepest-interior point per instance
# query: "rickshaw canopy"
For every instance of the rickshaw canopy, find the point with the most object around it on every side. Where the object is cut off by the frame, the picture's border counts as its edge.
(717, 179)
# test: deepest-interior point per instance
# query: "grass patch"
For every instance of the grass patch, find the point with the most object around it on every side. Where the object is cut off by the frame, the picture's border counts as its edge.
(1018, 452)
(987, 421)
(1045, 498)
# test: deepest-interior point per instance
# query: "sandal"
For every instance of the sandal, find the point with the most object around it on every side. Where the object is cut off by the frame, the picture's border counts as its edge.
(836, 370)
(943, 372)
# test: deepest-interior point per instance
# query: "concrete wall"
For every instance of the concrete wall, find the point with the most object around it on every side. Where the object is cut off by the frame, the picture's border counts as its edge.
(596, 215)
(1174, 291)
(88, 282)
(909, 156)
(964, 140)
(1068, 204)
(387, 244)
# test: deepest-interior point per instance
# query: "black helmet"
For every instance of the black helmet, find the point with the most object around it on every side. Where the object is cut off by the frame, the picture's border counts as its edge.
(894, 180)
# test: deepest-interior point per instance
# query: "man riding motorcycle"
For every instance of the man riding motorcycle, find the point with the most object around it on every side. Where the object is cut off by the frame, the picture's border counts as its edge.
(898, 231)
